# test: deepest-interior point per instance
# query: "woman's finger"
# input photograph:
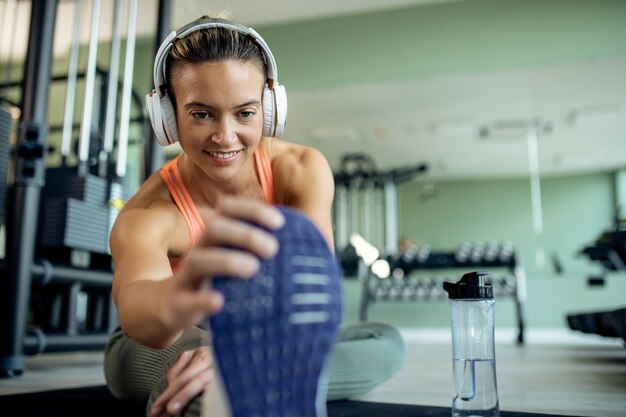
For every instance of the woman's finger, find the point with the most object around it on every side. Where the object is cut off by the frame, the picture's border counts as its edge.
(227, 231)
(201, 263)
(190, 366)
(252, 211)
(181, 363)
(192, 389)
(191, 307)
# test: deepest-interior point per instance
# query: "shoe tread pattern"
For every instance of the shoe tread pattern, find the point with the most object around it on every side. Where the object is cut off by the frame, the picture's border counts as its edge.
(274, 334)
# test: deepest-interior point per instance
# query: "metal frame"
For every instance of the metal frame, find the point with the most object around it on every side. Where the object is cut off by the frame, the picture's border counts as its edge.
(20, 273)
(29, 179)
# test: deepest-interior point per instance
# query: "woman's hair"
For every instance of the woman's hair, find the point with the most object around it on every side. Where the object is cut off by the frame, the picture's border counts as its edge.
(211, 45)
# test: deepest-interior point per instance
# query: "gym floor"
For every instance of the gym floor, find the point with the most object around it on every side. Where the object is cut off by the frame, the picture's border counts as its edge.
(556, 372)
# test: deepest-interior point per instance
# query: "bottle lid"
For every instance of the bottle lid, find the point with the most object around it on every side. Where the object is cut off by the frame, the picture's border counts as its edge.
(471, 286)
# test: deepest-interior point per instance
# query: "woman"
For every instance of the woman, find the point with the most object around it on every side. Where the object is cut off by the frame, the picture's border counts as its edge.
(216, 92)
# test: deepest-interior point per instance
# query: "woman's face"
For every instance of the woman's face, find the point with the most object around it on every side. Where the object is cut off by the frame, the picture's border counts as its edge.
(219, 114)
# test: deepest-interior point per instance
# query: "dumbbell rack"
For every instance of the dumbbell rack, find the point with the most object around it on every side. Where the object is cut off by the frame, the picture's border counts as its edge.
(406, 283)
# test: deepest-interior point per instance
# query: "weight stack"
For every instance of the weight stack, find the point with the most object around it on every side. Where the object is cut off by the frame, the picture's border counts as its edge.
(74, 211)
(5, 134)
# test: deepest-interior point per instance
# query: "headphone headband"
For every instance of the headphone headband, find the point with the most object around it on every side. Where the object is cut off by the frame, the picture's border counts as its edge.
(206, 23)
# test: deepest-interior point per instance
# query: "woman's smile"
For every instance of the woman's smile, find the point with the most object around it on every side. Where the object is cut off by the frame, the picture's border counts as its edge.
(223, 157)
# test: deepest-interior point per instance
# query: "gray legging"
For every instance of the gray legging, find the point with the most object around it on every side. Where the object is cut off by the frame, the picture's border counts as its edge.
(364, 356)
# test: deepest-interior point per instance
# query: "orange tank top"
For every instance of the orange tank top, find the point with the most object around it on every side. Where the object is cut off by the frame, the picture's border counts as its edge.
(182, 198)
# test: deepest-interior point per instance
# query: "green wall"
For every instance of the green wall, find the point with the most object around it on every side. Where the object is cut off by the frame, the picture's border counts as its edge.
(452, 38)
(575, 210)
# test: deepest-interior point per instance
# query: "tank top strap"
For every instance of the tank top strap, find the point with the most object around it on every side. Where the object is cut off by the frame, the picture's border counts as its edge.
(182, 199)
(264, 171)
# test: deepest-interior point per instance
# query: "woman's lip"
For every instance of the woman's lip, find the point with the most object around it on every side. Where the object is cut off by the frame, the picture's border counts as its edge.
(222, 159)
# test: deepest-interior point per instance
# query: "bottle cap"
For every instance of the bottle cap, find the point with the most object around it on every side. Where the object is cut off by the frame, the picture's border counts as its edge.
(471, 286)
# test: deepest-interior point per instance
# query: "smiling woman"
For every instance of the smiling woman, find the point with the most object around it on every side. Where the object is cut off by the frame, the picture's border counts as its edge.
(217, 93)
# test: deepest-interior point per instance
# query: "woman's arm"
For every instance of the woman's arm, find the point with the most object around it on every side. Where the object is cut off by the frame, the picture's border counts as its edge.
(155, 305)
(307, 184)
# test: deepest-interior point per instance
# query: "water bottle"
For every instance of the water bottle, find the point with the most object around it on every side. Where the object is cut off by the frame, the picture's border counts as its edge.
(473, 351)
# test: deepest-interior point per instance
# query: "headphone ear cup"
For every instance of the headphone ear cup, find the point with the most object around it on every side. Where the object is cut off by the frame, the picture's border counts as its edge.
(154, 111)
(268, 112)
(162, 118)
(280, 109)
(168, 115)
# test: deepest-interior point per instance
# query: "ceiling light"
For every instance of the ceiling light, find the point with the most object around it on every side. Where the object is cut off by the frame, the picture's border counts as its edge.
(514, 128)
(594, 116)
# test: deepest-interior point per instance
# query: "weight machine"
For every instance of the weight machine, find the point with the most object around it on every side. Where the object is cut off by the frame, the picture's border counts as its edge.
(366, 203)
(57, 274)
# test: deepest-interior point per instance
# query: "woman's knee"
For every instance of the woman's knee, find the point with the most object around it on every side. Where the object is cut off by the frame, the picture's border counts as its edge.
(379, 335)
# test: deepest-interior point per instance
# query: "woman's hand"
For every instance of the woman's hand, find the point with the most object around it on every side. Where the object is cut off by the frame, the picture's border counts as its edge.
(191, 374)
(190, 300)
(230, 246)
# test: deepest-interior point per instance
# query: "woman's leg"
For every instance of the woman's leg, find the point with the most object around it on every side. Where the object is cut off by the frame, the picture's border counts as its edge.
(365, 355)
(138, 373)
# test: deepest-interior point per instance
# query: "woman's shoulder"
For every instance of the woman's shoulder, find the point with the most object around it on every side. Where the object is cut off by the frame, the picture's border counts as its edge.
(294, 158)
(151, 211)
(152, 194)
(297, 169)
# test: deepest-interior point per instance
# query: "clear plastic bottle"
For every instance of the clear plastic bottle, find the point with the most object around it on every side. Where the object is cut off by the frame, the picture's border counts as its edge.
(473, 351)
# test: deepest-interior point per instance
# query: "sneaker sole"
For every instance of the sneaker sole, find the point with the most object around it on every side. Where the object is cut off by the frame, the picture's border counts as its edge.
(274, 335)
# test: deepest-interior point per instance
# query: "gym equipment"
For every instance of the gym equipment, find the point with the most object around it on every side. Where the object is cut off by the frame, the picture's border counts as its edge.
(80, 203)
(610, 323)
(57, 296)
(22, 213)
(609, 250)
(161, 109)
(5, 134)
(420, 278)
(364, 194)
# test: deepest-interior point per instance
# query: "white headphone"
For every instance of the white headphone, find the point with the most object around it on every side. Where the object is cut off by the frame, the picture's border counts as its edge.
(160, 106)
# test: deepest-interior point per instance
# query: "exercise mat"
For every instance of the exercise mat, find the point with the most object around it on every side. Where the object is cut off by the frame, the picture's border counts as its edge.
(369, 409)
(97, 401)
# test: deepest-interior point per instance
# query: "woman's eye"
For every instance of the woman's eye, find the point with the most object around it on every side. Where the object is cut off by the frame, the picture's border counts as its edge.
(247, 114)
(200, 115)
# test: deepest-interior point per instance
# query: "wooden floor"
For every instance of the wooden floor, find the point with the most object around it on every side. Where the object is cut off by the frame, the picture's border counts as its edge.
(556, 372)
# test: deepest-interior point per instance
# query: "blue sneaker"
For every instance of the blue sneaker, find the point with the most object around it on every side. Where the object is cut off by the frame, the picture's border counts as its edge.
(273, 337)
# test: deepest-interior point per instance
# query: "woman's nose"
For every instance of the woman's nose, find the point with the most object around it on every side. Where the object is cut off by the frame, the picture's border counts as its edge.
(225, 134)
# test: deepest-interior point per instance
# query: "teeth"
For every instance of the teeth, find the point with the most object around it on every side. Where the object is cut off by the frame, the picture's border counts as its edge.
(223, 155)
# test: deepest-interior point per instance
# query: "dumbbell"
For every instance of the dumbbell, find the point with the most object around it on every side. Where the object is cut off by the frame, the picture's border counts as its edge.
(397, 273)
(506, 251)
(382, 289)
(409, 291)
(462, 252)
(436, 289)
(395, 291)
(423, 253)
(477, 252)
(425, 287)
(409, 255)
(491, 251)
